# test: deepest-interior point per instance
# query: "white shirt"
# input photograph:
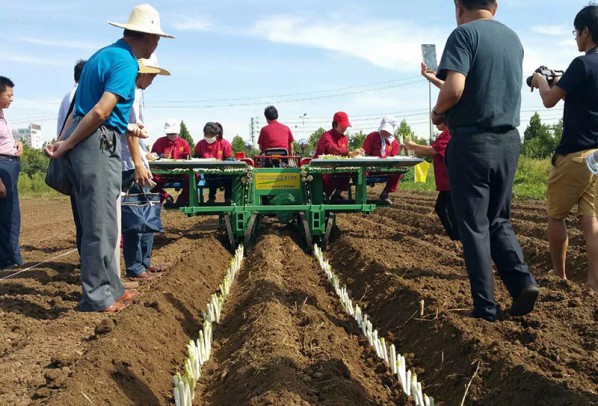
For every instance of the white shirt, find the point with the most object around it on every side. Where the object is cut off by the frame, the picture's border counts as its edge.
(64, 108)
(136, 117)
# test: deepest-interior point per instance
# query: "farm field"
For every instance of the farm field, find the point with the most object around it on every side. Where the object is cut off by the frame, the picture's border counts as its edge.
(284, 338)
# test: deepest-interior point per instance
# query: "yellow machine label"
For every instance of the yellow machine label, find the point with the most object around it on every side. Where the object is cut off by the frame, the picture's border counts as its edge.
(277, 181)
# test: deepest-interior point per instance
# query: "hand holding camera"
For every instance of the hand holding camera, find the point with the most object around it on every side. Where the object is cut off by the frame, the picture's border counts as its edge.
(550, 75)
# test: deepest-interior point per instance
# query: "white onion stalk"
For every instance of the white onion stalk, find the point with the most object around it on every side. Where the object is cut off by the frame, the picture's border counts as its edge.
(199, 351)
(393, 359)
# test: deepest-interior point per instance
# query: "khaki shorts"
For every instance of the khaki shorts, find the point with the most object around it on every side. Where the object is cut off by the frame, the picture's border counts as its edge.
(570, 184)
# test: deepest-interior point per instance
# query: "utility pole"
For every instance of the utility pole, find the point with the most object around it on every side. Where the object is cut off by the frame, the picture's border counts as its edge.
(302, 117)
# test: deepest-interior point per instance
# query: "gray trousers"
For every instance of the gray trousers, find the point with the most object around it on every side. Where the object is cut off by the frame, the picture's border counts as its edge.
(95, 170)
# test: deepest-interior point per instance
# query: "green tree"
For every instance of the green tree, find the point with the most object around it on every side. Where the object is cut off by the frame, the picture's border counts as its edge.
(313, 138)
(238, 144)
(557, 131)
(356, 140)
(405, 133)
(184, 134)
(538, 139)
(33, 161)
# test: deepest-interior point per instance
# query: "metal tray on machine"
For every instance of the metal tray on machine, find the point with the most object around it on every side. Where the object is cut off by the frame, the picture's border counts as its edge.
(196, 163)
(391, 162)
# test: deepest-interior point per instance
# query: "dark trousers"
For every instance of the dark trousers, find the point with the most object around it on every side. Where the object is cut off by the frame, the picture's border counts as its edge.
(10, 214)
(446, 213)
(481, 169)
(215, 182)
(137, 247)
(78, 231)
(95, 170)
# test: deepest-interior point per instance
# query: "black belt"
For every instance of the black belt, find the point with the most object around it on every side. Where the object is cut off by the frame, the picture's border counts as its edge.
(16, 158)
(455, 131)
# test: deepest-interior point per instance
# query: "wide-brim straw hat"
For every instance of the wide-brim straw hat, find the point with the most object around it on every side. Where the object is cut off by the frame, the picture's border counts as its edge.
(143, 18)
(150, 65)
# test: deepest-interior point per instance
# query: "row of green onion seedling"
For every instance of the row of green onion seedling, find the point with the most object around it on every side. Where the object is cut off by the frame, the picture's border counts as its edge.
(199, 350)
(393, 360)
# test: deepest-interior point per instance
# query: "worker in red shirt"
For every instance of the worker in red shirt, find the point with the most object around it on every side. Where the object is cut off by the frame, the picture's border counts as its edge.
(334, 142)
(275, 134)
(172, 147)
(382, 143)
(215, 146)
(444, 205)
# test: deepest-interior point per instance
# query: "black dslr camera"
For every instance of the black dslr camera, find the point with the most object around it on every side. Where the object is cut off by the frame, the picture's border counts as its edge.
(550, 75)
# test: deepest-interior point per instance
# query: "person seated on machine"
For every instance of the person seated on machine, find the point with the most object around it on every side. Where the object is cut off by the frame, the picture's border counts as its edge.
(382, 143)
(215, 146)
(275, 135)
(335, 142)
(172, 147)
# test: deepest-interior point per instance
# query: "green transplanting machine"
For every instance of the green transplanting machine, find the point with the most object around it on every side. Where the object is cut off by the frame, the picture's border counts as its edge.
(283, 187)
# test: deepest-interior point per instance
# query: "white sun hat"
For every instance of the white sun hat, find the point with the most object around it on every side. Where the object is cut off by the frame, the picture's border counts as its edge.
(143, 18)
(172, 126)
(150, 65)
(389, 124)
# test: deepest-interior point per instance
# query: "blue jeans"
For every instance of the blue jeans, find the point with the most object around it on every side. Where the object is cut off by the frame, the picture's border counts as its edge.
(10, 214)
(137, 247)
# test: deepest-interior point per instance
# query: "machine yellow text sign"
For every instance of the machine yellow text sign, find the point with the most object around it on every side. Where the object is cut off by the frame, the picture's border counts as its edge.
(277, 181)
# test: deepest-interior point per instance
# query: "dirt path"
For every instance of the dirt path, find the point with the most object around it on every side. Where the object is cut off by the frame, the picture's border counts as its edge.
(284, 339)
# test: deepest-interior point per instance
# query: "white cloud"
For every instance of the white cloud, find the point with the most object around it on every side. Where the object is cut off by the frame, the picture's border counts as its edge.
(556, 30)
(201, 23)
(26, 59)
(390, 44)
(58, 43)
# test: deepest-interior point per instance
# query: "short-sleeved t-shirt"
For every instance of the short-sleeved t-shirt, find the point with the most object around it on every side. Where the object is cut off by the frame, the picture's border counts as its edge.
(332, 143)
(177, 149)
(580, 116)
(490, 56)
(440, 174)
(275, 135)
(111, 69)
(220, 149)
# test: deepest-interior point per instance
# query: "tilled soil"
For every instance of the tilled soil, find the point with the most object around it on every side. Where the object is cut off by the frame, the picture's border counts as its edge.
(284, 339)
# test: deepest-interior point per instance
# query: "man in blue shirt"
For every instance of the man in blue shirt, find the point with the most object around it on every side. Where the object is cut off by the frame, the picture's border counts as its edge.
(92, 150)
(570, 183)
(480, 102)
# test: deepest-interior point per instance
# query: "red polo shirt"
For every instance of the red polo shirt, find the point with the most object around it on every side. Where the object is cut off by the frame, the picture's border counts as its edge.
(178, 149)
(442, 183)
(220, 149)
(332, 143)
(372, 145)
(275, 135)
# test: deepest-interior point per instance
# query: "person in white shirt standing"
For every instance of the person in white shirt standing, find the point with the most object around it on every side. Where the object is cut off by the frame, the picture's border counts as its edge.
(137, 247)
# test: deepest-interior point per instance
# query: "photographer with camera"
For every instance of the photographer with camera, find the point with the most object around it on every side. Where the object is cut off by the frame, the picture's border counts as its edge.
(570, 183)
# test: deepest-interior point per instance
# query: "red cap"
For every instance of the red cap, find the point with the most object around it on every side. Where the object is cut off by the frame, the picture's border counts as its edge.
(342, 119)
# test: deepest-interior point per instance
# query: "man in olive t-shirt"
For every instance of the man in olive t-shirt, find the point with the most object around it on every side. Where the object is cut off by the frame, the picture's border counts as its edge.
(480, 102)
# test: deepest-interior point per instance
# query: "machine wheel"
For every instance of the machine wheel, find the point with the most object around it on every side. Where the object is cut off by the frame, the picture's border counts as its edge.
(304, 226)
(329, 224)
(229, 231)
(249, 231)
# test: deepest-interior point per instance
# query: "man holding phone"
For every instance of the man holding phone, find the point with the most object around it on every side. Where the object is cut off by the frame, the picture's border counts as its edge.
(480, 101)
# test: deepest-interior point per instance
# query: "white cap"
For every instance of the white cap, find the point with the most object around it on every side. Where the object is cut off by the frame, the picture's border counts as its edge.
(172, 126)
(389, 124)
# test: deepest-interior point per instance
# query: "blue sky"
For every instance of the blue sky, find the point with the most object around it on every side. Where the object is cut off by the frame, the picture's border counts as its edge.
(233, 58)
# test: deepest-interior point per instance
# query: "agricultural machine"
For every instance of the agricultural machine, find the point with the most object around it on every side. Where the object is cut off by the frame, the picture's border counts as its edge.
(285, 187)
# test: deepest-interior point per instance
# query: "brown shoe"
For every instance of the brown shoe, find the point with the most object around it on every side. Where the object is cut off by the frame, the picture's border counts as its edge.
(156, 269)
(116, 307)
(128, 296)
(146, 276)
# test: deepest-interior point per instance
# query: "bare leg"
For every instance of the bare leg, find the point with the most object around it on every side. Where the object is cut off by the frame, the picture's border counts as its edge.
(558, 242)
(589, 225)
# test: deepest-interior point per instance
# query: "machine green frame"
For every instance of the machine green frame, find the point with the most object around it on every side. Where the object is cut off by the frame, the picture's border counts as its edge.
(288, 193)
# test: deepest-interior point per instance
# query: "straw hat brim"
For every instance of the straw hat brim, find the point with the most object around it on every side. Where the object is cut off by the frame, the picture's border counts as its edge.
(139, 28)
(151, 69)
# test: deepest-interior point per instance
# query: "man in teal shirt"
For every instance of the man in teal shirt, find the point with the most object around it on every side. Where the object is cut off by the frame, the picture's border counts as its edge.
(92, 150)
